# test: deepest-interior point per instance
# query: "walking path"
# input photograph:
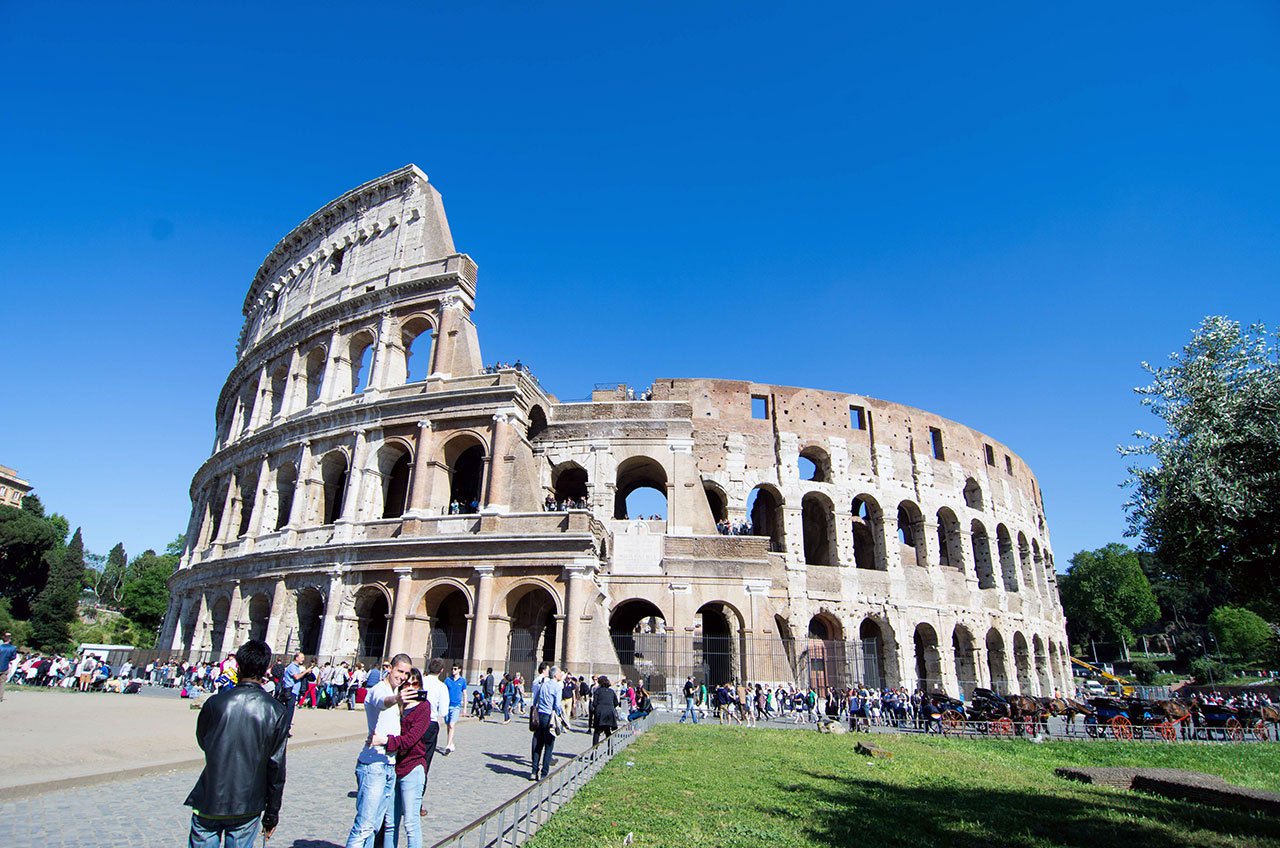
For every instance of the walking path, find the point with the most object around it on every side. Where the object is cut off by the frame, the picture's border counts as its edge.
(490, 766)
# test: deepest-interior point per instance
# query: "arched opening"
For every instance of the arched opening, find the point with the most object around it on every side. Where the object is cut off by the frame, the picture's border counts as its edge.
(717, 501)
(188, 624)
(466, 475)
(819, 530)
(788, 644)
(394, 462)
(717, 652)
(950, 548)
(416, 339)
(1024, 557)
(533, 630)
(218, 630)
(279, 388)
(372, 611)
(997, 668)
(815, 465)
(537, 422)
(972, 494)
(982, 556)
(1022, 663)
(446, 608)
(310, 608)
(569, 480)
(1037, 559)
(248, 495)
(641, 489)
(1042, 665)
(315, 374)
(928, 658)
(764, 505)
(216, 507)
(639, 633)
(866, 527)
(911, 539)
(248, 402)
(361, 355)
(259, 616)
(333, 475)
(1008, 567)
(825, 654)
(874, 665)
(286, 482)
(966, 669)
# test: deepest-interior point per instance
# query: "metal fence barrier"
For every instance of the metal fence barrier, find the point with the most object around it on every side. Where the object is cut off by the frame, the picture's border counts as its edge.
(517, 820)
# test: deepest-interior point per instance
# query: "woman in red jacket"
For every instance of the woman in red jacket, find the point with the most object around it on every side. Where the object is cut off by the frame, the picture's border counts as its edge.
(417, 732)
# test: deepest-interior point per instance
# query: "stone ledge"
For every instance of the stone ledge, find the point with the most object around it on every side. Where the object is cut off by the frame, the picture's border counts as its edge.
(1181, 785)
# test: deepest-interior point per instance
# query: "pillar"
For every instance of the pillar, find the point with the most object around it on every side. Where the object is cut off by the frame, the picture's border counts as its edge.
(260, 498)
(229, 525)
(420, 489)
(574, 576)
(199, 632)
(300, 511)
(231, 635)
(399, 615)
(480, 625)
(328, 384)
(353, 509)
(278, 599)
(262, 402)
(182, 609)
(329, 627)
(496, 496)
(378, 364)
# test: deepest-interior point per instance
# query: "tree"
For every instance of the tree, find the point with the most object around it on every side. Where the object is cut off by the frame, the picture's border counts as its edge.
(1106, 595)
(1241, 633)
(1207, 501)
(111, 580)
(26, 537)
(54, 609)
(145, 597)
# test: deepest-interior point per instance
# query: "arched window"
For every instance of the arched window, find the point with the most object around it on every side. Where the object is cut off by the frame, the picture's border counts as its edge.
(982, 556)
(963, 649)
(815, 465)
(279, 388)
(911, 533)
(764, 506)
(466, 479)
(394, 462)
(248, 400)
(641, 489)
(286, 482)
(315, 374)
(866, 529)
(817, 516)
(639, 634)
(569, 481)
(717, 501)
(415, 338)
(972, 494)
(1008, 567)
(372, 612)
(248, 494)
(361, 357)
(950, 548)
(333, 475)
(537, 422)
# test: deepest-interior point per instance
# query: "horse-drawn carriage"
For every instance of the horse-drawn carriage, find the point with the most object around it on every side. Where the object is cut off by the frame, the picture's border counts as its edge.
(1129, 718)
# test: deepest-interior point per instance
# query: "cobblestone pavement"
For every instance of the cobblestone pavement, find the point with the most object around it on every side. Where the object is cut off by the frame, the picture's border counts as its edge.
(490, 766)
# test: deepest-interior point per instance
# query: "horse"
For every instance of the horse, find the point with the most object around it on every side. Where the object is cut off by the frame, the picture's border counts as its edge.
(1177, 712)
(1069, 708)
(1027, 713)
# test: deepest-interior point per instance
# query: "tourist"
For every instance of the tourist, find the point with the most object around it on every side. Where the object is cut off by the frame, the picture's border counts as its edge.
(7, 652)
(293, 674)
(604, 711)
(644, 705)
(546, 710)
(690, 695)
(242, 731)
(518, 685)
(375, 768)
(438, 697)
(487, 687)
(410, 750)
(534, 690)
(506, 689)
(567, 693)
(457, 685)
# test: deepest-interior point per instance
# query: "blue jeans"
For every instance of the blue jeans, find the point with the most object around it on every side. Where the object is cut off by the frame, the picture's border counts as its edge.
(544, 745)
(689, 711)
(375, 782)
(223, 833)
(409, 791)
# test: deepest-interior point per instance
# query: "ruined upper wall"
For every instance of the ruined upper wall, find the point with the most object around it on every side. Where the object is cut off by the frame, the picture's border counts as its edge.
(364, 240)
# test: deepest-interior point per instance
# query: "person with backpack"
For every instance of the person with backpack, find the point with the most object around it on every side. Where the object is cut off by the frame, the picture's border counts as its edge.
(506, 690)
(486, 688)
(690, 695)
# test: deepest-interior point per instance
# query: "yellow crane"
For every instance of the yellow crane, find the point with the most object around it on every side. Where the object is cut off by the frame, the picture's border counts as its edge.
(1125, 687)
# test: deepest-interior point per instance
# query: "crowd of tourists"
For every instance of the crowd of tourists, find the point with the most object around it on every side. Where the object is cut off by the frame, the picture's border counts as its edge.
(552, 504)
(471, 507)
(726, 527)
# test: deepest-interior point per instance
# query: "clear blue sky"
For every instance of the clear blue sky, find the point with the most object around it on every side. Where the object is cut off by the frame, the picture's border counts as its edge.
(991, 213)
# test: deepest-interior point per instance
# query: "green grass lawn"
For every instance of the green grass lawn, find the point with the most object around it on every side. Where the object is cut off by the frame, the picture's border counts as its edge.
(712, 786)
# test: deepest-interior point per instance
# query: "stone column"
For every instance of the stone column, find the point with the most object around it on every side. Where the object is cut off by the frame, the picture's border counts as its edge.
(981, 674)
(399, 624)
(226, 530)
(260, 499)
(420, 492)
(329, 383)
(172, 624)
(887, 530)
(574, 577)
(300, 511)
(329, 627)
(446, 338)
(278, 600)
(353, 508)
(479, 646)
(231, 635)
(200, 633)
(291, 402)
(497, 497)
(262, 402)
(378, 364)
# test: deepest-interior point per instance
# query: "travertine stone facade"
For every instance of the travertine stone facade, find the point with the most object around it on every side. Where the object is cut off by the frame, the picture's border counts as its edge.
(358, 429)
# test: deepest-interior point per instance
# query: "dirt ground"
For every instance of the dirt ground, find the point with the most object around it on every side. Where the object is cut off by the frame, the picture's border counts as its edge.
(57, 735)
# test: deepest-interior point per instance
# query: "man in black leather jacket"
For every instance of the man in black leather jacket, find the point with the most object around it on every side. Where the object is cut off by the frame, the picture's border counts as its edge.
(243, 733)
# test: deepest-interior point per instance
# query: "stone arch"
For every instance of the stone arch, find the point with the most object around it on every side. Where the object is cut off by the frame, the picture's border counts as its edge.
(962, 647)
(465, 459)
(360, 359)
(412, 362)
(1042, 676)
(928, 658)
(818, 523)
(911, 534)
(218, 618)
(982, 555)
(876, 669)
(313, 371)
(950, 546)
(259, 615)
(279, 387)
(247, 480)
(533, 611)
(997, 664)
(570, 482)
(868, 528)
(825, 653)
(638, 630)
(972, 494)
(717, 500)
(334, 467)
(637, 472)
(286, 482)
(1024, 559)
(820, 461)
(764, 507)
(719, 647)
(446, 604)
(1022, 663)
(825, 627)
(1008, 566)
(537, 422)
(309, 609)
(395, 460)
(372, 609)
(248, 400)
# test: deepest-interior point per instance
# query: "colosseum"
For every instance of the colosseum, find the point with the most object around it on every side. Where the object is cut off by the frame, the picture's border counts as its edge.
(374, 487)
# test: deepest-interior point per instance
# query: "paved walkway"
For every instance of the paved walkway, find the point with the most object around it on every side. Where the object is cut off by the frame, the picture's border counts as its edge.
(490, 766)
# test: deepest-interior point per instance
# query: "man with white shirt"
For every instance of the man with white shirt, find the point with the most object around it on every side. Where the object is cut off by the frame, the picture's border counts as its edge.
(438, 698)
(375, 768)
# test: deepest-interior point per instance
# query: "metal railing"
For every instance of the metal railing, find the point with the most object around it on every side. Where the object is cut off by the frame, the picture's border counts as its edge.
(517, 820)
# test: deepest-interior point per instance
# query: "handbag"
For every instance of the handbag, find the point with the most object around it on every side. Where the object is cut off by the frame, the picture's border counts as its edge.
(533, 721)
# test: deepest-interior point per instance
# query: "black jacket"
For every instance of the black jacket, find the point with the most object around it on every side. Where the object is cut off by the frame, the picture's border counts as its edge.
(604, 707)
(242, 732)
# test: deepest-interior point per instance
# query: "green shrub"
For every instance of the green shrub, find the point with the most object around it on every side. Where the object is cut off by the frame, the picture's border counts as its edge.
(1208, 672)
(1145, 671)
